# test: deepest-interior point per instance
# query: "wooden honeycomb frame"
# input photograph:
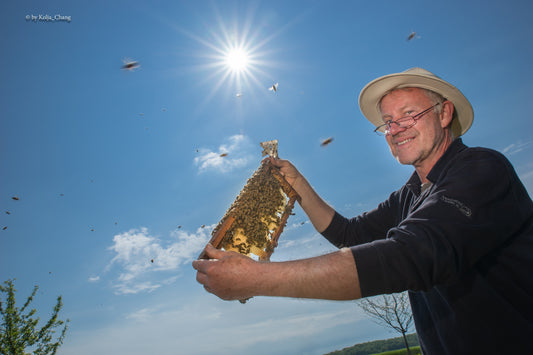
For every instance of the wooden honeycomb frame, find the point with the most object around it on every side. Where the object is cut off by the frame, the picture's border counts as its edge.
(230, 234)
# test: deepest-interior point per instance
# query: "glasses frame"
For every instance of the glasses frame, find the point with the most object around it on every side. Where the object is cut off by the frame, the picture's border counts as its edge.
(384, 129)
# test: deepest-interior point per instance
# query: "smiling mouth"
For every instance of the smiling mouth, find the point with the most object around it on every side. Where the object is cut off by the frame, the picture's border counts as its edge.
(404, 141)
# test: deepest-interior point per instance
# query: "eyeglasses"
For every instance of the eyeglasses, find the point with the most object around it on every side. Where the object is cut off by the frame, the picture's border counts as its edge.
(403, 122)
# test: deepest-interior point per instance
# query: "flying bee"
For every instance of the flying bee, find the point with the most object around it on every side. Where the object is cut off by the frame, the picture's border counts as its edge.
(327, 141)
(130, 64)
(223, 155)
(202, 226)
(274, 87)
(412, 36)
(15, 198)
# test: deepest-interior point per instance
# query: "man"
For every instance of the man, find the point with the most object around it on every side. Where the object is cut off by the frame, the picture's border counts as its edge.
(458, 235)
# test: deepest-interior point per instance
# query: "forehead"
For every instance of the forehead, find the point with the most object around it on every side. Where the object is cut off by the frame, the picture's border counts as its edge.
(404, 96)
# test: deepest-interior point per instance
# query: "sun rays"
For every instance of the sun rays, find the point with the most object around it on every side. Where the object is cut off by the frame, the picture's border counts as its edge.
(236, 59)
(240, 65)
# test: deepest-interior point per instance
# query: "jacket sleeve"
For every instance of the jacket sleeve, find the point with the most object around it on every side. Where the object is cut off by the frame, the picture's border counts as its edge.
(346, 232)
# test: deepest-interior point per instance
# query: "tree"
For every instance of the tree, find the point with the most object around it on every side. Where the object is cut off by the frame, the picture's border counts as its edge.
(392, 310)
(19, 331)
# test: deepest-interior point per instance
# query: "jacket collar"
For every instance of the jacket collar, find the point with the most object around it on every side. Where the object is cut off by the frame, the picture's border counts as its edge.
(455, 147)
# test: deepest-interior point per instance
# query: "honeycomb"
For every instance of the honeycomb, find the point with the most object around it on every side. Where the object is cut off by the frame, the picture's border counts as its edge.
(254, 222)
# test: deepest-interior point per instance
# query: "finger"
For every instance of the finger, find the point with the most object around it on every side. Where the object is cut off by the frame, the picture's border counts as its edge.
(280, 165)
(212, 252)
(276, 161)
(201, 278)
(201, 265)
(196, 264)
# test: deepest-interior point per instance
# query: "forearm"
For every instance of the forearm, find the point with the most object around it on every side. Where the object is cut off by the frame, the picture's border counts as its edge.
(318, 211)
(332, 276)
(232, 276)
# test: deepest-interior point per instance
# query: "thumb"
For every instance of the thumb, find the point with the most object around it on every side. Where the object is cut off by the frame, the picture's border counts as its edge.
(276, 162)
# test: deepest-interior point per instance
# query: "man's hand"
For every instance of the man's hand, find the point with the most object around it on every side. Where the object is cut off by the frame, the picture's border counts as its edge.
(288, 171)
(227, 274)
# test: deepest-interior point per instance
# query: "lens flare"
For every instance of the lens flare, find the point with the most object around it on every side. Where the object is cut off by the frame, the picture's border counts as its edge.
(237, 59)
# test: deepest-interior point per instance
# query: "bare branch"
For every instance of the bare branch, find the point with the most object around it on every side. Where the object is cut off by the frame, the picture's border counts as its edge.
(392, 311)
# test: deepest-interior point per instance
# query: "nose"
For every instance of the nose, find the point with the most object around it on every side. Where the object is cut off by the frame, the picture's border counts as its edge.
(395, 128)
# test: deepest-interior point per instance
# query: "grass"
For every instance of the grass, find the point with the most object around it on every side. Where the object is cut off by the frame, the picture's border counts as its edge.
(415, 350)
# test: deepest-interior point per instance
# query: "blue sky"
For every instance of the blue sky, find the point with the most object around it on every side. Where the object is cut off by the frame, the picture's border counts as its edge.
(115, 168)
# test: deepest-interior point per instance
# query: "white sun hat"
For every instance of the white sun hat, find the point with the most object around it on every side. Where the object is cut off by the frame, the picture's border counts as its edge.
(371, 95)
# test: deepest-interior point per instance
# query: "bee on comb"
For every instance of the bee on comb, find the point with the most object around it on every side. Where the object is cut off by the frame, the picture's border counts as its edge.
(254, 222)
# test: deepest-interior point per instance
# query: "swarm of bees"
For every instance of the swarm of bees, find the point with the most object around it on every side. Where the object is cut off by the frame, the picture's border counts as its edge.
(253, 223)
(257, 212)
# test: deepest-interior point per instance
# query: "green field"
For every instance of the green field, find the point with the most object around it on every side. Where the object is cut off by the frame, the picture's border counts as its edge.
(391, 346)
(415, 350)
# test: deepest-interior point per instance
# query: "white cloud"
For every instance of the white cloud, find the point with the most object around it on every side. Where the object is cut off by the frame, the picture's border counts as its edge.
(143, 259)
(522, 163)
(94, 278)
(516, 147)
(301, 243)
(262, 326)
(142, 315)
(134, 286)
(237, 156)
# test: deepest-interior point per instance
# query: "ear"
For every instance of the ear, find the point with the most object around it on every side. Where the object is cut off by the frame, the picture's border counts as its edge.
(446, 114)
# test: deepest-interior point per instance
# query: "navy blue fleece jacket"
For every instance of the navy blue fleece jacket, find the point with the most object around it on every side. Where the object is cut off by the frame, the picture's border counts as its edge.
(463, 248)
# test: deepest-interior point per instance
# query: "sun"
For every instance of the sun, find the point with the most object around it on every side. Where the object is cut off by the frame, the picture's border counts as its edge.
(238, 57)
(237, 60)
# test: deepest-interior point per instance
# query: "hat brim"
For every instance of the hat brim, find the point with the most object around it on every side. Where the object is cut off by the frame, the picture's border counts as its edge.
(371, 95)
